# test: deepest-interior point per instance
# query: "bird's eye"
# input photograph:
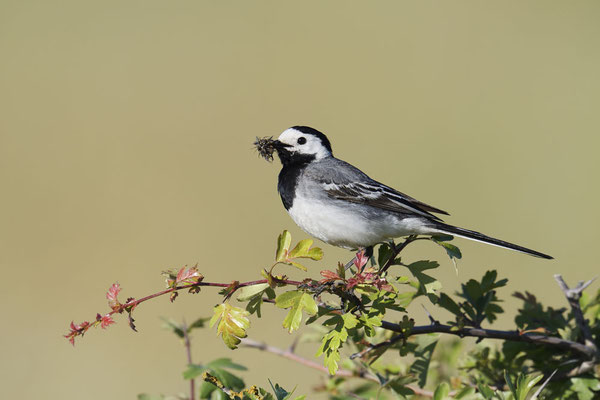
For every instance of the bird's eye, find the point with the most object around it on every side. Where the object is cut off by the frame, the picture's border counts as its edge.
(301, 140)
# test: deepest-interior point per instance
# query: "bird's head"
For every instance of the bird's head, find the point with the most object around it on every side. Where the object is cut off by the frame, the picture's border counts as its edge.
(301, 144)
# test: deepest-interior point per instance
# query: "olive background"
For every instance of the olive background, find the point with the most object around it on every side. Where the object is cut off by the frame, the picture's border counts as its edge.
(126, 132)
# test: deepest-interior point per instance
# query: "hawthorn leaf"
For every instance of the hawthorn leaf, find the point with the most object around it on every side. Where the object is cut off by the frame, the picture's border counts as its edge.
(331, 361)
(173, 327)
(452, 251)
(446, 302)
(329, 276)
(423, 353)
(232, 323)
(297, 265)
(112, 294)
(199, 323)
(465, 393)
(384, 254)
(441, 392)
(301, 249)
(283, 245)
(186, 276)
(193, 371)
(226, 363)
(296, 301)
(429, 285)
(248, 292)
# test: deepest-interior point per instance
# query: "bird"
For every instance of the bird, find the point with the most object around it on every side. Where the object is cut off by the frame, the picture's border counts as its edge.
(337, 203)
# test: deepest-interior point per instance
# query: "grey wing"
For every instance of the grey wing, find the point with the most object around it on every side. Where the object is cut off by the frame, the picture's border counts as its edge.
(346, 182)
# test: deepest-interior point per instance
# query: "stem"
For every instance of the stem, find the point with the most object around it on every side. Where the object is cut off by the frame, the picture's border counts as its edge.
(134, 303)
(188, 350)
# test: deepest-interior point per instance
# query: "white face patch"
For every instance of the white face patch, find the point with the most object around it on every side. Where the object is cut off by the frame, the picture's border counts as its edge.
(312, 145)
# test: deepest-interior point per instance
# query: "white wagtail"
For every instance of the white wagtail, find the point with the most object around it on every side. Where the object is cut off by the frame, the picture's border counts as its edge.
(340, 205)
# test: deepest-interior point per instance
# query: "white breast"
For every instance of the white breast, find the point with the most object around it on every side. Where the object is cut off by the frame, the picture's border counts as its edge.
(349, 225)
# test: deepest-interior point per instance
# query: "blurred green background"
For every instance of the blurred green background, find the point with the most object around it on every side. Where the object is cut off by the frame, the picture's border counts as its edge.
(125, 149)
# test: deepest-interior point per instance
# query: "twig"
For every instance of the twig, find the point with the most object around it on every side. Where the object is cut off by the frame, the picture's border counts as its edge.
(312, 364)
(513, 336)
(573, 296)
(132, 303)
(188, 350)
(372, 347)
(398, 249)
(431, 319)
(206, 376)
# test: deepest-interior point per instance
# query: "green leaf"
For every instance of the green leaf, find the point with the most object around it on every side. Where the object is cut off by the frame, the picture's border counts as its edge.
(452, 251)
(297, 301)
(423, 353)
(225, 363)
(485, 391)
(510, 385)
(399, 387)
(297, 265)
(248, 292)
(173, 327)
(283, 245)
(199, 323)
(441, 392)
(446, 302)
(525, 383)
(385, 253)
(282, 394)
(233, 323)
(206, 389)
(334, 339)
(193, 371)
(331, 360)
(442, 238)
(586, 388)
(429, 285)
(464, 393)
(303, 250)
(228, 379)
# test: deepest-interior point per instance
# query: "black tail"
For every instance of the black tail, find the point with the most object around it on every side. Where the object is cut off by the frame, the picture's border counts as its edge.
(480, 237)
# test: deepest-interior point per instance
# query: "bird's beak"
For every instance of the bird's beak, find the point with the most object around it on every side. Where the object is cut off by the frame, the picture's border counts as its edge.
(280, 145)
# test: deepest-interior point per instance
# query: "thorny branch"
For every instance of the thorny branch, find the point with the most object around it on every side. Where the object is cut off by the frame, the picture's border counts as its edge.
(514, 336)
(573, 295)
(585, 348)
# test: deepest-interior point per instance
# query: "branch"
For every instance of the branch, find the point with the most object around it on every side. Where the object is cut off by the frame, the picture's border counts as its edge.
(514, 336)
(573, 296)
(132, 303)
(208, 377)
(314, 365)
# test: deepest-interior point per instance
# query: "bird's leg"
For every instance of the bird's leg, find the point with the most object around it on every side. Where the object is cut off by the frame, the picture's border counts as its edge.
(349, 263)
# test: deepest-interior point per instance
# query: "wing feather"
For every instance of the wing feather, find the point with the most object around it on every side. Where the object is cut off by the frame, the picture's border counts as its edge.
(378, 195)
